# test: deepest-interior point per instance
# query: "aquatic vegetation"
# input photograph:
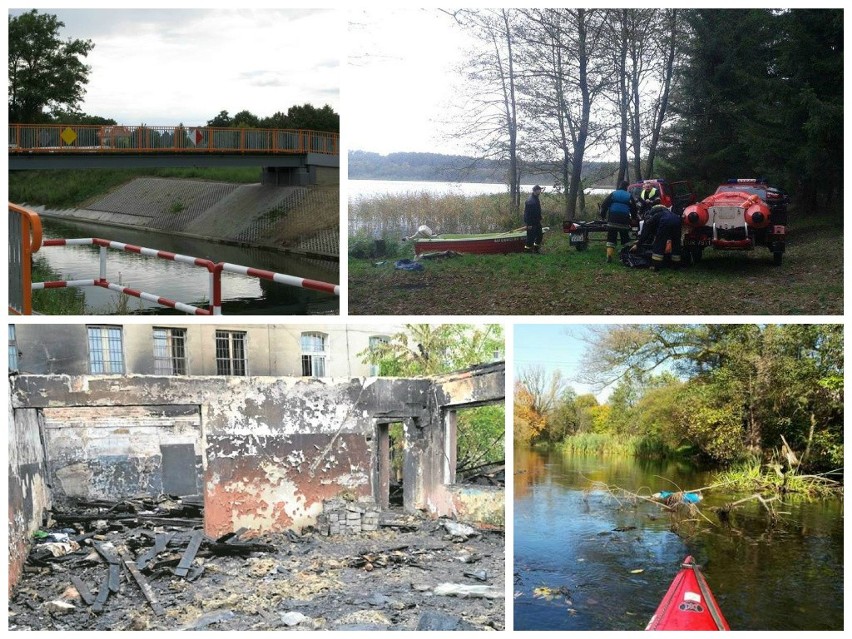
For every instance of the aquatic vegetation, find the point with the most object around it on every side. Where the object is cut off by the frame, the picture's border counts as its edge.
(771, 478)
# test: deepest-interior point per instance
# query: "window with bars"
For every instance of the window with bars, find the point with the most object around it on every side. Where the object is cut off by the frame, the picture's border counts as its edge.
(231, 353)
(169, 351)
(375, 342)
(13, 349)
(313, 354)
(106, 350)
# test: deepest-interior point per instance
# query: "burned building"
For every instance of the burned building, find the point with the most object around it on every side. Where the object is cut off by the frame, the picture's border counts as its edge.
(267, 454)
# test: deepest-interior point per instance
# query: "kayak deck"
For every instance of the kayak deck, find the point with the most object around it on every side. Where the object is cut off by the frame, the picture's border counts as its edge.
(688, 604)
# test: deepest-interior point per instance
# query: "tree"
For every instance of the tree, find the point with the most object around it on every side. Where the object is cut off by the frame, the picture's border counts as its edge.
(308, 117)
(222, 120)
(46, 74)
(565, 75)
(748, 385)
(492, 117)
(427, 349)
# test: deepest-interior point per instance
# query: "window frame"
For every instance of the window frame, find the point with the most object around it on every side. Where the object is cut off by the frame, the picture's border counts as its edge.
(311, 358)
(174, 338)
(230, 335)
(105, 337)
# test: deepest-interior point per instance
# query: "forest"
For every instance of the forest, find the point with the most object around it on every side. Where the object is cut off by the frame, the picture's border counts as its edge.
(698, 94)
(720, 393)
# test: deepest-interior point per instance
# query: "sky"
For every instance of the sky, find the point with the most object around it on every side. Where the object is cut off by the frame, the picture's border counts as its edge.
(555, 347)
(401, 83)
(173, 66)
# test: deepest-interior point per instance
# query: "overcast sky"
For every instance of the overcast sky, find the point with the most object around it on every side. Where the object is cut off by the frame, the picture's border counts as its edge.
(401, 84)
(171, 66)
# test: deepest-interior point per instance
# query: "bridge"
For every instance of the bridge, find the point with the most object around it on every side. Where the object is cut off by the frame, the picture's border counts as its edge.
(288, 156)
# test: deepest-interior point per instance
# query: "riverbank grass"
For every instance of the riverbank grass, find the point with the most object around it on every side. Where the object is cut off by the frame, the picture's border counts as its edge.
(754, 476)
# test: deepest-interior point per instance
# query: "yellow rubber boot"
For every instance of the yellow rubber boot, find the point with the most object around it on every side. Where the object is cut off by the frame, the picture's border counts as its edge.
(610, 251)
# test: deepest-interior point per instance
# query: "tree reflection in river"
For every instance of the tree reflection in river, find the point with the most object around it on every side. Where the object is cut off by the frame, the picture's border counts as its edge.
(583, 543)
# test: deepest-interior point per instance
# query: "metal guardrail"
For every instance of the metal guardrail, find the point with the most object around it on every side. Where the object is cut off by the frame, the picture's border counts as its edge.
(24, 241)
(25, 237)
(83, 138)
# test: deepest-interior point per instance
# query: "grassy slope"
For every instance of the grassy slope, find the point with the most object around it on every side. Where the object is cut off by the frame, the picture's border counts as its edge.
(70, 189)
(563, 281)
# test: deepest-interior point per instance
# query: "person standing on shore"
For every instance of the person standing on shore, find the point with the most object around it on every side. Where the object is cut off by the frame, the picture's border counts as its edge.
(618, 209)
(532, 220)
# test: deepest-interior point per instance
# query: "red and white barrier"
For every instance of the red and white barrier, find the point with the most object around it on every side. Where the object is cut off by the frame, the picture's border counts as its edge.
(214, 269)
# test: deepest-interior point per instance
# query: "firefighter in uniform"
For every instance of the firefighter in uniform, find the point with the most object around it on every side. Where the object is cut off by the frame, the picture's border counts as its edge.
(618, 209)
(662, 227)
(649, 196)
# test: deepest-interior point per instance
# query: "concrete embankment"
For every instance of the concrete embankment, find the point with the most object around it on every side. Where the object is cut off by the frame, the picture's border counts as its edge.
(300, 220)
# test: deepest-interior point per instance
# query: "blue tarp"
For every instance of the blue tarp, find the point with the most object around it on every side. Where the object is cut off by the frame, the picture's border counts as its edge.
(687, 498)
(408, 265)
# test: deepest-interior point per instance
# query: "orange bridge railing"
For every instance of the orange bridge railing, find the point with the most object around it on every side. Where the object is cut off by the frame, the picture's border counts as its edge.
(24, 240)
(80, 138)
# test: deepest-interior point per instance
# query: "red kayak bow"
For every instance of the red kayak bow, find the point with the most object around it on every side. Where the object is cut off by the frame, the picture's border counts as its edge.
(688, 604)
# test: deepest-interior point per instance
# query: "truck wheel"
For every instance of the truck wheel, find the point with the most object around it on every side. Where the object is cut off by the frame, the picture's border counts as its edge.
(776, 258)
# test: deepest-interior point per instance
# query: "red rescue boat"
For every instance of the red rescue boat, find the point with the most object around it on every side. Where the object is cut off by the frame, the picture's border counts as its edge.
(688, 604)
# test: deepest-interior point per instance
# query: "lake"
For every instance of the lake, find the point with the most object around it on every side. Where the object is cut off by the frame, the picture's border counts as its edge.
(241, 295)
(365, 189)
(574, 535)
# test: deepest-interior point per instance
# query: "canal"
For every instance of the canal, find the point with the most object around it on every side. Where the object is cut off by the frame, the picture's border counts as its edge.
(587, 558)
(241, 295)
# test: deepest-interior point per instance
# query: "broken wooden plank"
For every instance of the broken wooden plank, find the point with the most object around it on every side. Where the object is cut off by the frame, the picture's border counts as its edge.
(145, 587)
(231, 536)
(85, 594)
(189, 554)
(114, 576)
(161, 540)
(107, 552)
(239, 548)
(103, 595)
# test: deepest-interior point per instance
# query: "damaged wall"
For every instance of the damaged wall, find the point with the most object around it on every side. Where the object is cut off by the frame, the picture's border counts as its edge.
(123, 451)
(429, 457)
(29, 495)
(266, 452)
(272, 448)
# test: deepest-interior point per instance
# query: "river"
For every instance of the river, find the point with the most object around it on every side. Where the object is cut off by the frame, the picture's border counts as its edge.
(241, 295)
(786, 577)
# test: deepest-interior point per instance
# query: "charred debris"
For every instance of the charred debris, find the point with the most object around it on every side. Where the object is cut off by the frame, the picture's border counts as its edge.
(146, 564)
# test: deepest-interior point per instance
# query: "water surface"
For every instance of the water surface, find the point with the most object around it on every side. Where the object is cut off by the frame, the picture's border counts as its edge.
(784, 577)
(241, 295)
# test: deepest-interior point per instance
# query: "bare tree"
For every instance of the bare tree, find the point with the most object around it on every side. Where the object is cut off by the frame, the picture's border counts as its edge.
(563, 80)
(493, 110)
(668, 53)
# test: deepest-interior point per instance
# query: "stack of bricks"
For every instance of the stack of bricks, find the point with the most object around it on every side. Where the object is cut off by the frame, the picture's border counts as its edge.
(341, 517)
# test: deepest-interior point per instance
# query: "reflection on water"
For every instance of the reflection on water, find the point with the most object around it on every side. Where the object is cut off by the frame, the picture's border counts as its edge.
(240, 295)
(787, 577)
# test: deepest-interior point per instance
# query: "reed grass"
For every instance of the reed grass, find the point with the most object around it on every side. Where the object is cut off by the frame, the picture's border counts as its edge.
(601, 444)
(758, 477)
(56, 301)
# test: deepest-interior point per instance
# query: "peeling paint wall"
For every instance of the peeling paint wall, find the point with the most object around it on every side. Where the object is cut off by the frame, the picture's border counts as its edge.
(268, 450)
(29, 495)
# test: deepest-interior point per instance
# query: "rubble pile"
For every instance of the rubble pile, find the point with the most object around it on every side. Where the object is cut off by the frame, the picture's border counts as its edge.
(146, 564)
